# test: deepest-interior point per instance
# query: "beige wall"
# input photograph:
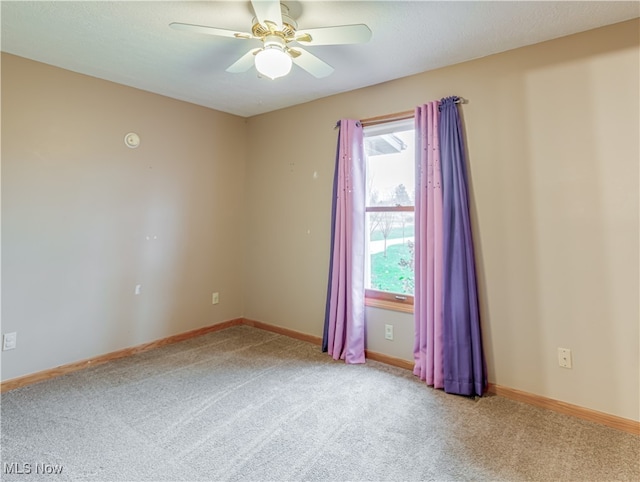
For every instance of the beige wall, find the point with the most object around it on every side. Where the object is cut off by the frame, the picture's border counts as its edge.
(78, 206)
(552, 133)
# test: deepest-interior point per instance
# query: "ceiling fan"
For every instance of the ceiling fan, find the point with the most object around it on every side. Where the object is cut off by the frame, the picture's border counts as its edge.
(276, 30)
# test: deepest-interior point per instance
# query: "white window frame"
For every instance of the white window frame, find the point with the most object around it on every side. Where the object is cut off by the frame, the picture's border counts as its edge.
(377, 298)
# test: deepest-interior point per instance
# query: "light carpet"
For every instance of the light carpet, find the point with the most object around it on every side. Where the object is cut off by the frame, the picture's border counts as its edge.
(247, 404)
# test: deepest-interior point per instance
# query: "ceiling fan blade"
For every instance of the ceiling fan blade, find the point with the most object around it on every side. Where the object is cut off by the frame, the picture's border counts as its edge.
(244, 63)
(309, 62)
(340, 34)
(268, 11)
(220, 32)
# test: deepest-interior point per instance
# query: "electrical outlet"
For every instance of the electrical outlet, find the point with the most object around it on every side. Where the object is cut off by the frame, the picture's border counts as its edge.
(9, 341)
(215, 298)
(564, 357)
(388, 332)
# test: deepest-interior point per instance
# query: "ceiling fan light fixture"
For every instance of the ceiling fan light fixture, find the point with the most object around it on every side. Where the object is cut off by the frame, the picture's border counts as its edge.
(272, 61)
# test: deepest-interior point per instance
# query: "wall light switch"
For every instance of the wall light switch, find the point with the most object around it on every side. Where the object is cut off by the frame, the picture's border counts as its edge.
(9, 341)
(215, 298)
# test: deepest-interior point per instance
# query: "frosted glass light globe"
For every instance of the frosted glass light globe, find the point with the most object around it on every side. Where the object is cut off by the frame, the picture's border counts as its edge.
(273, 62)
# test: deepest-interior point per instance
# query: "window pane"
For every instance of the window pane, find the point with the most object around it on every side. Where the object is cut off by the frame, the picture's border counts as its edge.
(390, 169)
(391, 252)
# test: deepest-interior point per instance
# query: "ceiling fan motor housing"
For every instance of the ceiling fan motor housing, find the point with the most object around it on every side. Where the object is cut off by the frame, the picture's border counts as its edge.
(289, 26)
(274, 41)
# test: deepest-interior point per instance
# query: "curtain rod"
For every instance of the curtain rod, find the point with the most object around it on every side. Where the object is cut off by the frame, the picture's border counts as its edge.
(372, 121)
(407, 114)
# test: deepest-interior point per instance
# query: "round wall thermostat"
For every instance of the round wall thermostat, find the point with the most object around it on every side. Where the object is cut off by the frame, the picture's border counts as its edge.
(132, 140)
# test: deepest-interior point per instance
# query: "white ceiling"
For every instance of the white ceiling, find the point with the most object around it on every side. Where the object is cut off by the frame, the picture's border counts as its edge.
(130, 42)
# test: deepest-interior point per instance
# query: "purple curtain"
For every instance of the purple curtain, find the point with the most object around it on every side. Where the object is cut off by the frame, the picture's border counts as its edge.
(344, 334)
(448, 344)
(464, 365)
(428, 345)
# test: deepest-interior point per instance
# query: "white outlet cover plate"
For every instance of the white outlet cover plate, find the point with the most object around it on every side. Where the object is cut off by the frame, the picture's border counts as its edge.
(564, 357)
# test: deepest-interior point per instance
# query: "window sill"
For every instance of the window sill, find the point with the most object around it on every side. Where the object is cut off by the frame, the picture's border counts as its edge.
(389, 305)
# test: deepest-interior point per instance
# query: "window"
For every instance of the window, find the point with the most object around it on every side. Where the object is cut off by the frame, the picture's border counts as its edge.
(390, 168)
